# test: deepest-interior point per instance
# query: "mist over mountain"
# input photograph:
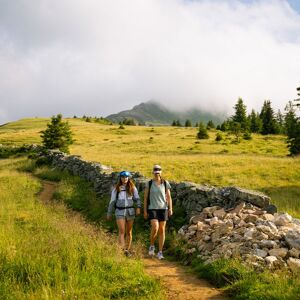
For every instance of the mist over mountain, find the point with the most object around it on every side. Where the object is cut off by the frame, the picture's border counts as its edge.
(152, 112)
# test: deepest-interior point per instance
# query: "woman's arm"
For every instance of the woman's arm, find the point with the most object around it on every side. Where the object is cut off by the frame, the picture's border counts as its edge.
(146, 192)
(136, 198)
(112, 202)
(169, 201)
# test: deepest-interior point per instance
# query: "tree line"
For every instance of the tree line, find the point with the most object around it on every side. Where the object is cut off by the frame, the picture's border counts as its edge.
(264, 122)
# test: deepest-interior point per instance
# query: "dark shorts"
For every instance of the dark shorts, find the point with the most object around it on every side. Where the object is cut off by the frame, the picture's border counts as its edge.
(158, 214)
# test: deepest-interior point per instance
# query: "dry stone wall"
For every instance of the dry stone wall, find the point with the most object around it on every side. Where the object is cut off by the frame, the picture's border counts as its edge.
(224, 222)
(192, 197)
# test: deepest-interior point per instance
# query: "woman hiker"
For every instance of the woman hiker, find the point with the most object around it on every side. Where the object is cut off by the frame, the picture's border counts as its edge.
(122, 198)
(157, 208)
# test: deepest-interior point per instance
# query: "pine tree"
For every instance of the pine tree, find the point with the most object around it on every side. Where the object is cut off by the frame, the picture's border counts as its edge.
(280, 122)
(210, 124)
(178, 123)
(188, 123)
(290, 118)
(240, 115)
(268, 119)
(255, 122)
(202, 133)
(236, 129)
(294, 132)
(174, 123)
(225, 126)
(58, 134)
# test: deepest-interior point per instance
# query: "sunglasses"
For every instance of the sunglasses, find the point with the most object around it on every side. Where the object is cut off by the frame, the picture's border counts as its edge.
(156, 169)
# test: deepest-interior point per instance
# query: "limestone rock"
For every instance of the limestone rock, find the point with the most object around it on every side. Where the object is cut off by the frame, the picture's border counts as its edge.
(294, 253)
(294, 265)
(282, 219)
(278, 252)
(261, 253)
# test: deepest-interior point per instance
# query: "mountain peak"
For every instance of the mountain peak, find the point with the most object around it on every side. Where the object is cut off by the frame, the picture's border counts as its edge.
(153, 112)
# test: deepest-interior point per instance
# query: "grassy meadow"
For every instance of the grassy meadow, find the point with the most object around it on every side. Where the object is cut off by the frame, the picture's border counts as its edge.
(48, 252)
(259, 164)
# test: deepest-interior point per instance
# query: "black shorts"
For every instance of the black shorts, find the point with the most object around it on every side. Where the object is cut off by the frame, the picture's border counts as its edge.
(158, 214)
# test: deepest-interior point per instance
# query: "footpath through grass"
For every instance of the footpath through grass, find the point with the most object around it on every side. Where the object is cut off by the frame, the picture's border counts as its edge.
(46, 252)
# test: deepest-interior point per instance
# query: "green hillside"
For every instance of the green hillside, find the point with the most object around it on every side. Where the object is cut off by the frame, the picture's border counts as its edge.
(260, 164)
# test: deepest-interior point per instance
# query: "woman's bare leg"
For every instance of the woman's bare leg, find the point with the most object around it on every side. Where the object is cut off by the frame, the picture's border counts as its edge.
(129, 225)
(162, 234)
(121, 231)
(154, 231)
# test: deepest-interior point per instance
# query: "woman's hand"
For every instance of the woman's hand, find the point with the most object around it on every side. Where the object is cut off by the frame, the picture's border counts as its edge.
(170, 212)
(138, 211)
(108, 218)
(145, 215)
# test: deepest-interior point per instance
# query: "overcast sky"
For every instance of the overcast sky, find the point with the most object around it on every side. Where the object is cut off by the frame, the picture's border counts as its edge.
(98, 57)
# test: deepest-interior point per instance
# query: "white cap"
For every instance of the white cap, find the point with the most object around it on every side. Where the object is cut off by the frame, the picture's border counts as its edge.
(156, 169)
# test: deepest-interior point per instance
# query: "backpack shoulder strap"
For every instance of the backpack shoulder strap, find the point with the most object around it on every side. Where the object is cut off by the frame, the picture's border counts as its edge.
(165, 184)
(148, 196)
(117, 195)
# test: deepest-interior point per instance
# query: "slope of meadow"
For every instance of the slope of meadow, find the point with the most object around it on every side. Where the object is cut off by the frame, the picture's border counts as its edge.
(260, 164)
(47, 252)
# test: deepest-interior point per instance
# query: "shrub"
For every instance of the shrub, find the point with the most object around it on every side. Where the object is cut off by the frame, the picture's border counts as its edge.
(219, 137)
(202, 133)
(247, 136)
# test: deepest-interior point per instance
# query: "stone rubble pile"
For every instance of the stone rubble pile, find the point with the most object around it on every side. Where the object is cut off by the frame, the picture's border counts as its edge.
(246, 232)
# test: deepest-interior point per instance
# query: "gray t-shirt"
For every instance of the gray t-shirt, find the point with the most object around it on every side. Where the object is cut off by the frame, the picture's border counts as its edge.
(158, 195)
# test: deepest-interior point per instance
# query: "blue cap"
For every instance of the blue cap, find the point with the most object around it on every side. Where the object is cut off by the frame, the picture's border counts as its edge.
(124, 174)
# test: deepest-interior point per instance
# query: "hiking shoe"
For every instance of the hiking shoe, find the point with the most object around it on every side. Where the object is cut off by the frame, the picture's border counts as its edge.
(151, 251)
(160, 255)
(127, 253)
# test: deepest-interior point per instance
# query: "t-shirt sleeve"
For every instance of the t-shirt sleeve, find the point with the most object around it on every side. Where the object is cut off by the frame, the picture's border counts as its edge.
(168, 185)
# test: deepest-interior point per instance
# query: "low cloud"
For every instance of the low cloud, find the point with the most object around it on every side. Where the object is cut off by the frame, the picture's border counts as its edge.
(98, 57)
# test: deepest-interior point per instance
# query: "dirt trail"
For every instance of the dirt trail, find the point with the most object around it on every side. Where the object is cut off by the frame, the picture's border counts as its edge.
(48, 190)
(178, 283)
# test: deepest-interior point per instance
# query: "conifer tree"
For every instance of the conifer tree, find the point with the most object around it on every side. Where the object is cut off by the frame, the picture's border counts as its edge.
(280, 122)
(210, 124)
(188, 123)
(289, 118)
(178, 123)
(294, 132)
(240, 115)
(268, 119)
(58, 135)
(255, 122)
(202, 132)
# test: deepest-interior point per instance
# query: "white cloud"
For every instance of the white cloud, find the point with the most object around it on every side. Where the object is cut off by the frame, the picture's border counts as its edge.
(99, 57)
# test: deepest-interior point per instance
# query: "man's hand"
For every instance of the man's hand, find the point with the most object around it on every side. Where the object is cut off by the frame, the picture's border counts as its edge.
(138, 211)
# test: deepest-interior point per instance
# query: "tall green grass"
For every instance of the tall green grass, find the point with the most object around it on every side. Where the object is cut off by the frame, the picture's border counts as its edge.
(46, 252)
